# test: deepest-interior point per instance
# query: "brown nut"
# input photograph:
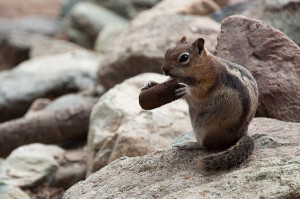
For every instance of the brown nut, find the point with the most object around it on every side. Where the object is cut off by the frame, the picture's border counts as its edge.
(159, 94)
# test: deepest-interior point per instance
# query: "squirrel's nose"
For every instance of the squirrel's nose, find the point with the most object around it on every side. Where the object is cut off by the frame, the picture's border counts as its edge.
(165, 70)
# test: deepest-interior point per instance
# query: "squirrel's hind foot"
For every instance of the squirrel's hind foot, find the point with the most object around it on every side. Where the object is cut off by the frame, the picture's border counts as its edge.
(189, 146)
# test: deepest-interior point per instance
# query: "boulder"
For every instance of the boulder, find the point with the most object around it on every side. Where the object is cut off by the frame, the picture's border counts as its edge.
(12, 192)
(269, 173)
(30, 165)
(141, 48)
(86, 20)
(48, 76)
(273, 59)
(127, 8)
(119, 127)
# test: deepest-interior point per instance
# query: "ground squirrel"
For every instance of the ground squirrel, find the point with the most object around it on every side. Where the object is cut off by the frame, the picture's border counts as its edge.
(222, 99)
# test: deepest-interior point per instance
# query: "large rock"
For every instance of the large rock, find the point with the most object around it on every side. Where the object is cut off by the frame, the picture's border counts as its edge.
(119, 127)
(30, 165)
(270, 172)
(142, 46)
(48, 76)
(12, 192)
(273, 59)
(86, 20)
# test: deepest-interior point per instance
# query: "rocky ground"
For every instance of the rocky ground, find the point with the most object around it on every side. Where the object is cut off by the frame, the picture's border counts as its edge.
(70, 76)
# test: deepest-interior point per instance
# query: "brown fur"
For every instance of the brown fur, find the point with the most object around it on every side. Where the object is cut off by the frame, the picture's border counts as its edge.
(222, 98)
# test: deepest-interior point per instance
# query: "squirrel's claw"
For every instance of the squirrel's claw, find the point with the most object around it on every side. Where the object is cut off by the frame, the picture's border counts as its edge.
(182, 90)
(149, 84)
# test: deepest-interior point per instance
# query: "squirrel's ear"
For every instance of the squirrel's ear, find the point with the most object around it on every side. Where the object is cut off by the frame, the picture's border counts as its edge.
(199, 45)
(183, 39)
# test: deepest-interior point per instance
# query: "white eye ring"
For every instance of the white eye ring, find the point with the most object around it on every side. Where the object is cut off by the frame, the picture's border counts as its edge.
(184, 58)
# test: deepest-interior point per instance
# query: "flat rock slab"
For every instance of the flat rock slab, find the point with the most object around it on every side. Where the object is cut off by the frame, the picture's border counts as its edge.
(273, 59)
(271, 171)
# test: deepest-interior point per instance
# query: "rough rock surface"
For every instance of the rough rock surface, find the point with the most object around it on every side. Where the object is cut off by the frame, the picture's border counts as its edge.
(31, 164)
(270, 172)
(142, 46)
(48, 76)
(120, 127)
(12, 192)
(86, 20)
(273, 59)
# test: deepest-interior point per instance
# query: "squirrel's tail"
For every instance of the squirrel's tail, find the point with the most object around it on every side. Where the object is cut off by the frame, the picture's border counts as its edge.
(230, 158)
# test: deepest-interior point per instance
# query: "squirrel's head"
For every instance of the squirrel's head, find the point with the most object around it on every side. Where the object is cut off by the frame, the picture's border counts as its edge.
(184, 59)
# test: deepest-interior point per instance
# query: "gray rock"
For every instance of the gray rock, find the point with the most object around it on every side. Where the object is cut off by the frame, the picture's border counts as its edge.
(30, 165)
(273, 60)
(127, 8)
(38, 44)
(270, 172)
(106, 39)
(48, 76)
(119, 127)
(141, 48)
(12, 192)
(86, 20)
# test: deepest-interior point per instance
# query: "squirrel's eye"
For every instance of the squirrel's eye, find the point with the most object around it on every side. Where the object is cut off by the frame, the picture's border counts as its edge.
(184, 58)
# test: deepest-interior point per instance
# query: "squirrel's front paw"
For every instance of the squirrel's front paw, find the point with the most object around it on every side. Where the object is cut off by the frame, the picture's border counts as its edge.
(149, 84)
(182, 90)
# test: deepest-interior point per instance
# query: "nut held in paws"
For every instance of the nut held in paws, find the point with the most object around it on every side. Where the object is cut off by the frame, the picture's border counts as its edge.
(159, 94)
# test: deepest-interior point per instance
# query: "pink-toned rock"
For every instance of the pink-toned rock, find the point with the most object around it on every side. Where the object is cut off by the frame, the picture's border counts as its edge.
(273, 59)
